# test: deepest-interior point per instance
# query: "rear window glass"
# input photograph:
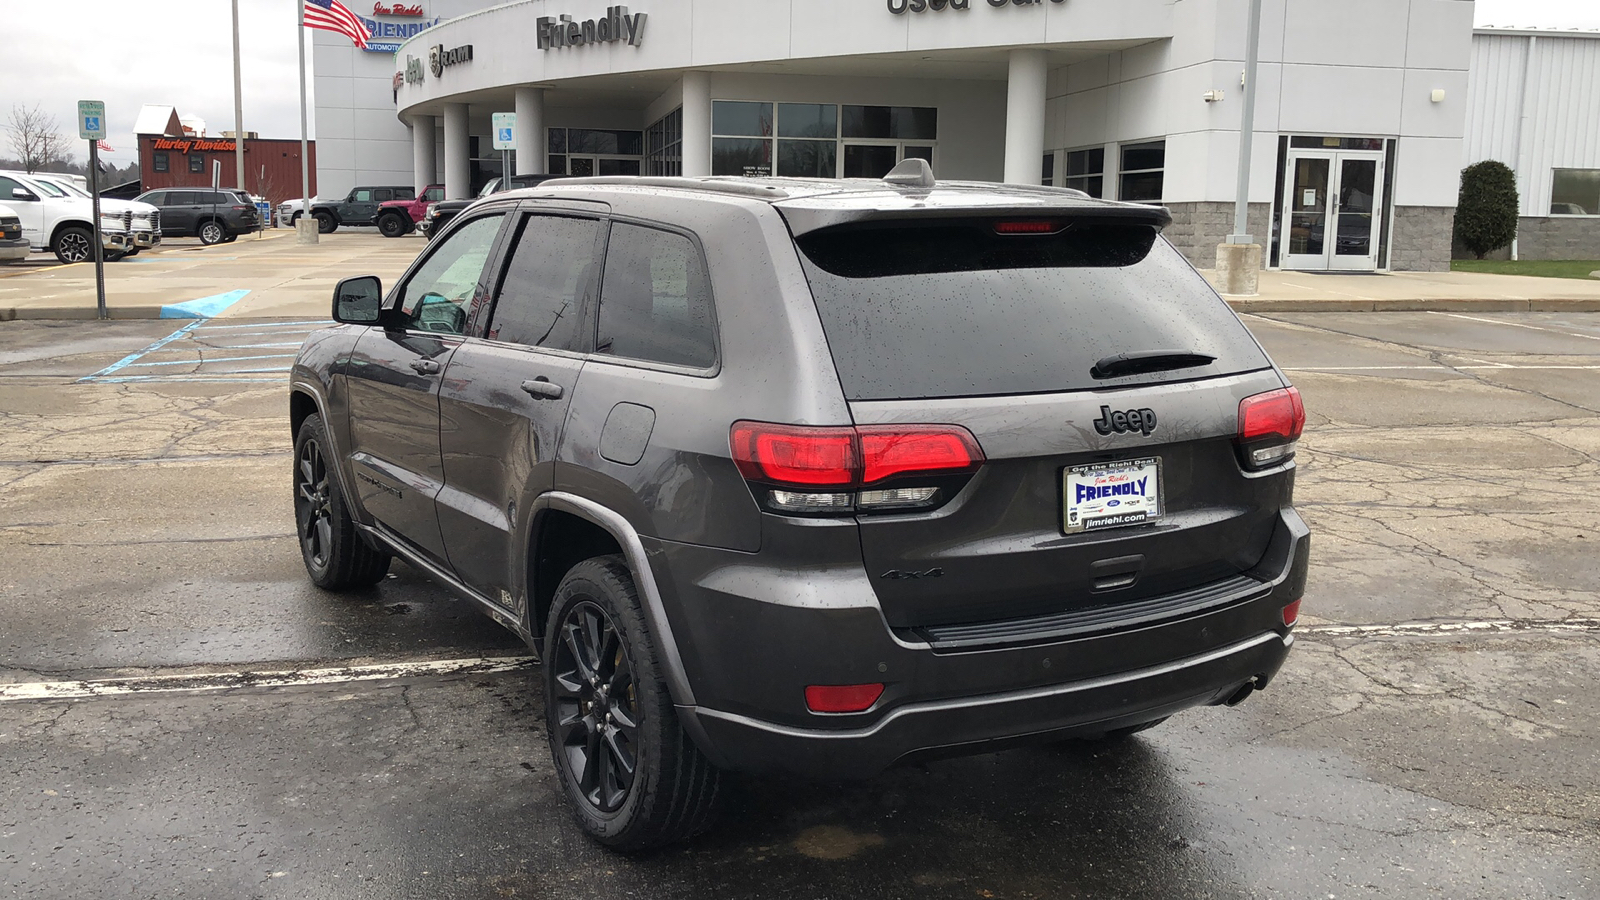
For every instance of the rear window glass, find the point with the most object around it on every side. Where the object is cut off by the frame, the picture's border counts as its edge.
(950, 308)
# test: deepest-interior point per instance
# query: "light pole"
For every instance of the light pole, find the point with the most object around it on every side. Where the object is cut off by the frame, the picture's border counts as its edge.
(238, 102)
(1239, 257)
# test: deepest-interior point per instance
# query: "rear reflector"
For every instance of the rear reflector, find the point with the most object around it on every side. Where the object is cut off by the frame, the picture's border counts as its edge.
(842, 698)
(1291, 613)
(889, 450)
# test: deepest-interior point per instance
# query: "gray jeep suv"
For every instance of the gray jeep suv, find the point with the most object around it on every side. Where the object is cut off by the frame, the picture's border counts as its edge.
(812, 476)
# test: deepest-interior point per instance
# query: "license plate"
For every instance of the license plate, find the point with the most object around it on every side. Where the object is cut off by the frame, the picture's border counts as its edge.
(1106, 495)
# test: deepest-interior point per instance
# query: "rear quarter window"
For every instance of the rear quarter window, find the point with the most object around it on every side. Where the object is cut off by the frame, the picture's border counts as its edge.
(951, 308)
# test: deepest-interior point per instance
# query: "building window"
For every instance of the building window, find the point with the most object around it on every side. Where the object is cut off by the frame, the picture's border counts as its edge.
(741, 138)
(1141, 171)
(917, 123)
(1047, 170)
(1575, 192)
(1086, 171)
(197, 162)
(663, 145)
(808, 140)
(159, 162)
(595, 151)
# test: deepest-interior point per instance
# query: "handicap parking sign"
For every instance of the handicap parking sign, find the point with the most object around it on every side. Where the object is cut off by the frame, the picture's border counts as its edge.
(91, 120)
(505, 126)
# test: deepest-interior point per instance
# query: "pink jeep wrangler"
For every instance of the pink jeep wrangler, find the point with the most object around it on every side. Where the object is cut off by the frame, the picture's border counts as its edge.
(396, 218)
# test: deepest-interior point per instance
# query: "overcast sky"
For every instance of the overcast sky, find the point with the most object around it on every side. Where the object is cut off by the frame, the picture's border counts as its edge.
(180, 52)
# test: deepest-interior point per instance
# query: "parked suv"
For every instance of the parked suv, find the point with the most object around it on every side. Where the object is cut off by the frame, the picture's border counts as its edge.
(440, 214)
(813, 476)
(356, 208)
(214, 216)
(397, 218)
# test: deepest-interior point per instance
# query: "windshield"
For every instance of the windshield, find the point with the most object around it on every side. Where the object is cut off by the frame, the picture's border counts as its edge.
(70, 188)
(491, 187)
(953, 308)
(50, 189)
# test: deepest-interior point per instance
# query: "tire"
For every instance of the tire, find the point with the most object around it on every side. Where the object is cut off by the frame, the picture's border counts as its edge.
(230, 238)
(336, 556)
(114, 255)
(133, 252)
(393, 226)
(598, 656)
(326, 224)
(211, 232)
(73, 244)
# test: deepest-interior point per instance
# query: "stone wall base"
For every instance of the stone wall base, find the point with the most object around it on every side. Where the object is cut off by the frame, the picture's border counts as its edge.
(1558, 237)
(1421, 238)
(1197, 228)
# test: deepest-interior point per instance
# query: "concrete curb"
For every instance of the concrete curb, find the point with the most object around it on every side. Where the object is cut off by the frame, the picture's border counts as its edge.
(1484, 304)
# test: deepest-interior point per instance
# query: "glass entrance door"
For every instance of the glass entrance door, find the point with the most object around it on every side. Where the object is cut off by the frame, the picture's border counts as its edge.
(1331, 210)
(1355, 242)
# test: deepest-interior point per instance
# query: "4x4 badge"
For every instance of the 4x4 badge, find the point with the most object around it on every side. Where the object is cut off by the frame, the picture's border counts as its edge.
(1140, 420)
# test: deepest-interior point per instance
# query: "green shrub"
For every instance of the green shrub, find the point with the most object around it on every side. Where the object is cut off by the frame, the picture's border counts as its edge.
(1486, 211)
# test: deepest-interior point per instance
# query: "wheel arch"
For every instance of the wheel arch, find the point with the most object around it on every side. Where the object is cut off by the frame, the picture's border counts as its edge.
(63, 225)
(593, 526)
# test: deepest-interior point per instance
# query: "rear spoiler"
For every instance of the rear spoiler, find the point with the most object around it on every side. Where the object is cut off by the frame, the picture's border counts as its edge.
(811, 214)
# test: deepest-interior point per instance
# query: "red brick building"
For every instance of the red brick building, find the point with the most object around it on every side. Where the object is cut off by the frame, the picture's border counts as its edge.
(170, 156)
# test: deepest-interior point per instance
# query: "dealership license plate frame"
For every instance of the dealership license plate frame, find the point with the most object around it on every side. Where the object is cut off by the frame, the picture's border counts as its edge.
(1074, 519)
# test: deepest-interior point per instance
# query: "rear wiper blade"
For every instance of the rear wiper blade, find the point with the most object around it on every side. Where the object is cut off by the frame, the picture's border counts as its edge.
(1149, 361)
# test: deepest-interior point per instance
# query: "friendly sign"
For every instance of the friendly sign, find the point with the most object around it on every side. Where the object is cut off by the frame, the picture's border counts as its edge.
(505, 128)
(92, 120)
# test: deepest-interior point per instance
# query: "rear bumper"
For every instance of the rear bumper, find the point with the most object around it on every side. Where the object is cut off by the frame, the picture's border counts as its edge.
(753, 636)
(993, 721)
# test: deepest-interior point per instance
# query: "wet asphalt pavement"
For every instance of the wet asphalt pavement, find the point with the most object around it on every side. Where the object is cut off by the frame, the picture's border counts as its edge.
(1434, 734)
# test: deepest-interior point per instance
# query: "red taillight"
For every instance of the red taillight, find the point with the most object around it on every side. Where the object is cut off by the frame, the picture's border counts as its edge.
(842, 698)
(794, 462)
(793, 454)
(1275, 414)
(1026, 227)
(1269, 426)
(888, 450)
(1291, 613)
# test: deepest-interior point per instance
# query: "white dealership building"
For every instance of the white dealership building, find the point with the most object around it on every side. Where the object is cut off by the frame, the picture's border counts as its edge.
(1366, 109)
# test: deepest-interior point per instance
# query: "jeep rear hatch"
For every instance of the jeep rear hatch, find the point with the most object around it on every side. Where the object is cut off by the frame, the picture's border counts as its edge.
(1062, 342)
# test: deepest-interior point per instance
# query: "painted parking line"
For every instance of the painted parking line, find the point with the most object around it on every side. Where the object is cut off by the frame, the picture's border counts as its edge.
(184, 355)
(191, 682)
(221, 681)
(1589, 337)
(1443, 366)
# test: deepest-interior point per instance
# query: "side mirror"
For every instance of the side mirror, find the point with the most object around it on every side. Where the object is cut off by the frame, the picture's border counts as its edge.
(358, 301)
(23, 194)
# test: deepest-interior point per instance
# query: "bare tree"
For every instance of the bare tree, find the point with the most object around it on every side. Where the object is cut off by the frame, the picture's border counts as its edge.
(36, 137)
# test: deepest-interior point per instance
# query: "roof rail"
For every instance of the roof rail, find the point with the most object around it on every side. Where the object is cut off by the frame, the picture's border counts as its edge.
(717, 184)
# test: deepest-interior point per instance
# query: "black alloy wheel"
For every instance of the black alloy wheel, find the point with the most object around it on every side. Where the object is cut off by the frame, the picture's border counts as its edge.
(337, 557)
(212, 232)
(392, 225)
(312, 511)
(596, 707)
(74, 245)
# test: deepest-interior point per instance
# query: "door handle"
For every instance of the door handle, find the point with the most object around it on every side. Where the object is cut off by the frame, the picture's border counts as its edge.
(425, 366)
(542, 388)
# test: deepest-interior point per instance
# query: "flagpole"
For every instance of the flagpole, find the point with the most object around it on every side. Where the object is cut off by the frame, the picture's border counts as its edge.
(305, 236)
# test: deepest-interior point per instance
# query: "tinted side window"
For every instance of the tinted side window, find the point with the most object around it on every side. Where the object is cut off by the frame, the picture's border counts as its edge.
(439, 293)
(655, 300)
(382, 195)
(552, 271)
(7, 185)
(405, 194)
(364, 195)
(182, 198)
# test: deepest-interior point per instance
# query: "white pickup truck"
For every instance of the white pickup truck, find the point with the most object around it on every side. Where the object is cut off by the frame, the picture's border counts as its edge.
(54, 219)
(144, 219)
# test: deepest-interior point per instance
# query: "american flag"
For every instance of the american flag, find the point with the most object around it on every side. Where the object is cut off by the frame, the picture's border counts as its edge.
(105, 147)
(331, 15)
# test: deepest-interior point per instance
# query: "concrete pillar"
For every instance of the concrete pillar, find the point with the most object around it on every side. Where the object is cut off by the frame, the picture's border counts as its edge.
(531, 145)
(696, 123)
(1025, 97)
(457, 153)
(424, 171)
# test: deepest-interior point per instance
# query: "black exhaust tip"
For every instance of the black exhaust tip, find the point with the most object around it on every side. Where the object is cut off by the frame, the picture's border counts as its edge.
(1238, 696)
